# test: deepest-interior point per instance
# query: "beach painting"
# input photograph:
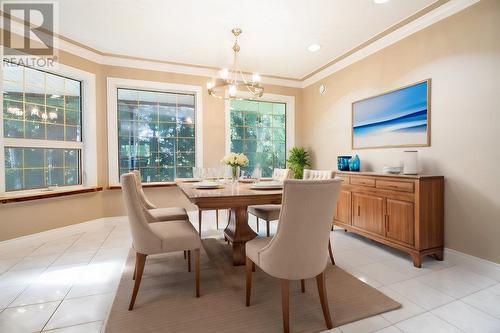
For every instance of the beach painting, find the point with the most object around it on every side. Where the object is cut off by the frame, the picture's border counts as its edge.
(399, 118)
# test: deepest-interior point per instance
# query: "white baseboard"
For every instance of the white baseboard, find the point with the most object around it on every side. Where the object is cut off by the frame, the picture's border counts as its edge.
(464, 257)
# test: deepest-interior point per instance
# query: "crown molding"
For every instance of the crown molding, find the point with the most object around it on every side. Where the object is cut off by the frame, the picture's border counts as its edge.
(434, 13)
(445, 10)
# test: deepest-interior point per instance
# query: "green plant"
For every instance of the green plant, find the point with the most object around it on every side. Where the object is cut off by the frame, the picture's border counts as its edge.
(298, 160)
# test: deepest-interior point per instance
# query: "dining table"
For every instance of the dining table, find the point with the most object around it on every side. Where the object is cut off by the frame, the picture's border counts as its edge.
(235, 196)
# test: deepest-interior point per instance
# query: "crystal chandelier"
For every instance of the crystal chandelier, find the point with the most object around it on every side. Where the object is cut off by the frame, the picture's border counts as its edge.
(233, 79)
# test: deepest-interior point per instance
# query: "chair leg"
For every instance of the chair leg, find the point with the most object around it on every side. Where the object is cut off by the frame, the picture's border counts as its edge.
(197, 271)
(185, 255)
(199, 221)
(320, 280)
(135, 270)
(217, 219)
(268, 229)
(285, 304)
(257, 225)
(303, 285)
(140, 262)
(249, 266)
(330, 252)
(189, 260)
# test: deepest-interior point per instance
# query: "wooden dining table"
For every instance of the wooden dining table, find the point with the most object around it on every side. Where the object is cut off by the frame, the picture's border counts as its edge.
(236, 197)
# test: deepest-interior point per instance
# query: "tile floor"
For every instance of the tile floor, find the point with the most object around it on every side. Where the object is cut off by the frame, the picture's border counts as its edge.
(65, 281)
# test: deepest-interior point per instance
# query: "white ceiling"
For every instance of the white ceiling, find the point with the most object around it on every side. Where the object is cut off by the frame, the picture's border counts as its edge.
(276, 33)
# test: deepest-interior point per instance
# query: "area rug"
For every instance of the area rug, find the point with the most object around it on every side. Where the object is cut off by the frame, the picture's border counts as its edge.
(166, 301)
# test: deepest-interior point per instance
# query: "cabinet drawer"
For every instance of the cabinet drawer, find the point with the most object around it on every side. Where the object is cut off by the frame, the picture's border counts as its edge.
(363, 181)
(394, 185)
(344, 178)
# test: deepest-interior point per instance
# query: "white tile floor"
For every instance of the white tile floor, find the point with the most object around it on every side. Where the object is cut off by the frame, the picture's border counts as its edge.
(64, 281)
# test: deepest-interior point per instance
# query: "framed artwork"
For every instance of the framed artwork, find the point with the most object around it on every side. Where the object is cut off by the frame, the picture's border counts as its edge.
(398, 118)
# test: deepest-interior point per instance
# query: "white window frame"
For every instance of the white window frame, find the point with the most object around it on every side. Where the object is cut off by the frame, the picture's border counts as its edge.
(88, 145)
(113, 83)
(273, 98)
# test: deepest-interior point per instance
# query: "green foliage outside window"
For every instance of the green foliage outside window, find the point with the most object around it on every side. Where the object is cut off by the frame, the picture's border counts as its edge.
(258, 130)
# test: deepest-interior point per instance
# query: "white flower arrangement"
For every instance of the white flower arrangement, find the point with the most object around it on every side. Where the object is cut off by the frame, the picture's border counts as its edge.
(235, 160)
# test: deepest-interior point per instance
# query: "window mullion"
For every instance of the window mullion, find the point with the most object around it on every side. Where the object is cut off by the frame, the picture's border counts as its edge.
(28, 143)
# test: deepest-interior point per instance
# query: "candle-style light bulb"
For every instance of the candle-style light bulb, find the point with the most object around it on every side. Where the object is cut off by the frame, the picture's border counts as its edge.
(224, 74)
(256, 77)
(232, 90)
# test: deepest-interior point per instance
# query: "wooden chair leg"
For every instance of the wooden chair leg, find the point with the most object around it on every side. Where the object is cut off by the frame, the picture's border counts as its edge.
(185, 255)
(268, 229)
(199, 221)
(249, 266)
(135, 270)
(257, 225)
(140, 262)
(285, 305)
(217, 219)
(197, 271)
(330, 252)
(303, 285)
(189, 260)
(320, 280)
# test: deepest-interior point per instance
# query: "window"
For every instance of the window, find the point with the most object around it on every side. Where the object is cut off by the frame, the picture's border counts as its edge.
(42, 129)
(156, 133)
(258, 130)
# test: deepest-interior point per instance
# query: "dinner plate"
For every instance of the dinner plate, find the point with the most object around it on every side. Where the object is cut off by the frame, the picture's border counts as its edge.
(267, 186)
(207, 185)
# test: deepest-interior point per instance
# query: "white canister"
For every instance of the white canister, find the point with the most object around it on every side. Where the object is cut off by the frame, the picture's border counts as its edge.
(410, 162)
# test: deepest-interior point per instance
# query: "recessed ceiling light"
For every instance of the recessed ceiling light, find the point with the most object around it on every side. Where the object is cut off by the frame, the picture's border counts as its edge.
(314, 47)
(379, 2)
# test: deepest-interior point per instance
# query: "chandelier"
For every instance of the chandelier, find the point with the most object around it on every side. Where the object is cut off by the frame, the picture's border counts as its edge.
(233, 79)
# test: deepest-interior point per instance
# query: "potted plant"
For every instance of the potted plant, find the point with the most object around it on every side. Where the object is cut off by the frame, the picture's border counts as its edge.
(298, 160)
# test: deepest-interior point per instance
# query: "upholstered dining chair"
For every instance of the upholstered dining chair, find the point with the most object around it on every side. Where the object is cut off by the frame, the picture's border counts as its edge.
(155, 238)
(270, 212)
(318, 175)
(297, 250)
(154, 214)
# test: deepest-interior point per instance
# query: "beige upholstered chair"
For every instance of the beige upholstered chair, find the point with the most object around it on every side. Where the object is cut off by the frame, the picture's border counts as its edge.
(319, 175)
(297, 251)
(154, 214)
(270, 212)
(158, 237)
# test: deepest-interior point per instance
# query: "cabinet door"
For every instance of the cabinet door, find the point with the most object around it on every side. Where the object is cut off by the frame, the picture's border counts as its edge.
(368, 213)
(343, 211)
(400, 223)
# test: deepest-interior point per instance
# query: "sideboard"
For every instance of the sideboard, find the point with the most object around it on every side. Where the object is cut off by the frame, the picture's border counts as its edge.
(405, 212)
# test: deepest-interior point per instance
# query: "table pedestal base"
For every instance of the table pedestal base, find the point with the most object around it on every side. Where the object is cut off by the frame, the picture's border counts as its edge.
(238, 232)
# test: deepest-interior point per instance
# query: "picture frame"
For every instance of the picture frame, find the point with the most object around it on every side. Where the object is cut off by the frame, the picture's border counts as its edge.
(394, 119)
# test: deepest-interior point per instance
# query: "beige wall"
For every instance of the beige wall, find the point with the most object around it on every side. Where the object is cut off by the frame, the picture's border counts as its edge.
(462, 57)
(18, 219)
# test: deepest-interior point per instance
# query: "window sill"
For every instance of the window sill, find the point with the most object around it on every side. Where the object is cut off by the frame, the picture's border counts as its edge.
(147, 185)
(5, 199)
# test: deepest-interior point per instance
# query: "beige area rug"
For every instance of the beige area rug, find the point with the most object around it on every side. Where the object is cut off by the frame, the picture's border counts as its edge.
(166, 301)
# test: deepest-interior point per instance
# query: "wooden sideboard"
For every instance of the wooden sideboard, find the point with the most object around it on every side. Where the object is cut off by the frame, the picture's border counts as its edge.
(402, 211)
